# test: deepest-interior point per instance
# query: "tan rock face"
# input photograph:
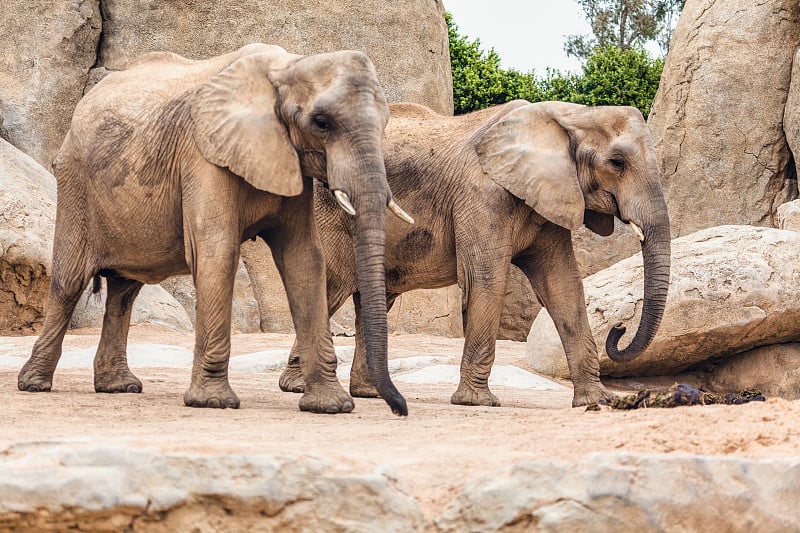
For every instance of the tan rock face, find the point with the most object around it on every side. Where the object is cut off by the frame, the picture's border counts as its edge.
(773, 370)
(788, 216)
(48, 49)
(27, 222)
(718, 115)
(732, 288)
(407, 41)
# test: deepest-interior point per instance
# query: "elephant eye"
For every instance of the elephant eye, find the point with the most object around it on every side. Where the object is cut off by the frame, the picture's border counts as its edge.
(321, 122)
(618, 164)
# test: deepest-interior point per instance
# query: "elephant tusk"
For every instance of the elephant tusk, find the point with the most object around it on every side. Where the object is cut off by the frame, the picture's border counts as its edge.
(637, 231)
(402, 215)
(344, 202)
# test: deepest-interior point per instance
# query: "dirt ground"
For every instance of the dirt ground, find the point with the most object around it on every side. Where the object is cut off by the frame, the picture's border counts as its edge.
(435, 450)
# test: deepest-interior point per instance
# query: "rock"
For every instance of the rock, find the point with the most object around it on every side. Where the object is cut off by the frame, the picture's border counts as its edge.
(27, 222)
(791, 119)
(773, 370)
(48, 49)
(245, 315)
(718, 115)
(621, 492)
(520, 307)
(153, 304)
(407, 41)
(429, 311)
(86, 486)
(788, 216)
(732, 288)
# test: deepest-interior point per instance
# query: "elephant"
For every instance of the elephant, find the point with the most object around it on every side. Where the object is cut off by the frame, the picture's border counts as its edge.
(169, 165)
(501, 186)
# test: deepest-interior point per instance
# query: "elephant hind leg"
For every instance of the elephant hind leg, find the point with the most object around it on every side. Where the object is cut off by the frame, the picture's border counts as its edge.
(291, 379)
(68, 279)
(111, 372)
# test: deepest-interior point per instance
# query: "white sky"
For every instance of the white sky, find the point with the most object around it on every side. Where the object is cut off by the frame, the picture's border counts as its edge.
(527, 34)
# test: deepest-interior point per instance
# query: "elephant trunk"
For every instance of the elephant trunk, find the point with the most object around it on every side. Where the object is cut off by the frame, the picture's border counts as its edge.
(656, 261)
(368, 241)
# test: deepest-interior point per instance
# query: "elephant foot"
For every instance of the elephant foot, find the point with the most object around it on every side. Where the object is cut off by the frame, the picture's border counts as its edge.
(122, 381)
(590, 395)
(33, 379)
(291, 379)
(218, 395)
(327, 399)
(468, 395)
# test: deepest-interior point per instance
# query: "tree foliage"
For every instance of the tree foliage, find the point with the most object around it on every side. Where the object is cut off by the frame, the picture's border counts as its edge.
(478, 79)
(610, 76)
(626, 24)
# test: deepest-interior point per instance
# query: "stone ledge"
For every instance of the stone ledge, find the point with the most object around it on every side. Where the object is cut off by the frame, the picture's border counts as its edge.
(77, 484)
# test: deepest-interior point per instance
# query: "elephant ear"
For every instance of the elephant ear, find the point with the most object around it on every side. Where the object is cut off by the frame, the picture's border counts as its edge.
(235, 126)
(527, 153)
(599, 223)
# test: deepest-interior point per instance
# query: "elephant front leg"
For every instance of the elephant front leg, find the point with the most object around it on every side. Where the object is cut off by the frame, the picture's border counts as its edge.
(111, 372)
(213, 274)
(298, 257)
(552, 270)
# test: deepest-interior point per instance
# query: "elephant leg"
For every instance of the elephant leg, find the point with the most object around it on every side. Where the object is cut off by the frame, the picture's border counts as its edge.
(67, 282)
(360, 382)
(298, 256)
(484, 287)
(215, 265)
(552, 270)
(111, 372)
(291, 379)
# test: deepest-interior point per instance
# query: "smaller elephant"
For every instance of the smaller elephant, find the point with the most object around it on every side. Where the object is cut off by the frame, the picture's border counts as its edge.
(170, 165)
(501, 186)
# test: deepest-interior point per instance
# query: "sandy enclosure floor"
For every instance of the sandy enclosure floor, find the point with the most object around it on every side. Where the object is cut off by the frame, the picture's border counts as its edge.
(436, 449)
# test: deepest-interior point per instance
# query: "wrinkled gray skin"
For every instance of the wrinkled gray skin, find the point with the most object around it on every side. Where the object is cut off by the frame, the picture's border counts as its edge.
(501, 186)
(168, 166)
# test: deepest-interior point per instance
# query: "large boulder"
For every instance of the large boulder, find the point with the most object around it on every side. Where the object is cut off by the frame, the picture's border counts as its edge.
(244, 314)
(788, 216)
(791, 118)
(719, 112)
(153, 305)
(27, 220)
(624, 492)
(48, 49)
(732, 288)
(93, 487)
(773, 370)
(407, 41)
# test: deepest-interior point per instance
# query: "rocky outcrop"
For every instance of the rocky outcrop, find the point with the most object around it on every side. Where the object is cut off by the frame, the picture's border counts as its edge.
(719, 112)
(773, 370)
(244, 314)
(791, 118)
(48, 49)
(732, 288)
(788, 216)
(406, 41)
(27, 221)
(620, 492)
(153, 305)
(115, 487)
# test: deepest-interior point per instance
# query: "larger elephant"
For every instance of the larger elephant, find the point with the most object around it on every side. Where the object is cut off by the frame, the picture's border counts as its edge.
(508, 185)
(169, 165)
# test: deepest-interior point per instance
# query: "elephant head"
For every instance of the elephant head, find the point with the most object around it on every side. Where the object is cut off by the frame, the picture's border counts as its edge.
(586, 165)
(272, 117)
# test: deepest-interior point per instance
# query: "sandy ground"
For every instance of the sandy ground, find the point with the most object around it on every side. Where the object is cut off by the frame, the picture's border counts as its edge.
(435, 450)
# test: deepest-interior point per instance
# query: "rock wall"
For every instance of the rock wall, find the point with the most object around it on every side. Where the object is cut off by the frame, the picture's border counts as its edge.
(27, 219)
(56, 51)
(718, 117)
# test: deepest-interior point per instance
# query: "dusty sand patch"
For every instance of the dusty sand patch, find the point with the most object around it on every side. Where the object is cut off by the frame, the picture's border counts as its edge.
(435, 450)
